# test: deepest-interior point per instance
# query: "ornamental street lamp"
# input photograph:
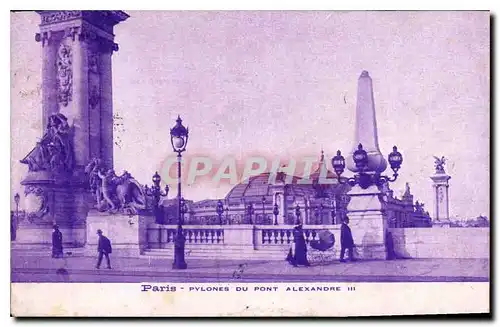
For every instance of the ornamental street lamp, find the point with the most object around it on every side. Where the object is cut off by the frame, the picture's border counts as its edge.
(220, 210)
(297, 213)
(263, 208)
(13, 223)
(363, 178)
(228, 221)
(333, 211)
(251, 211)
(276, 212)
(156, 192)
(184, 208)
(179, 139)
(321, 207)
(16, 199)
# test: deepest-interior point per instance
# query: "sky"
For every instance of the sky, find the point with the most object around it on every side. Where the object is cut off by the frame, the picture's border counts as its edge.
(283, 85)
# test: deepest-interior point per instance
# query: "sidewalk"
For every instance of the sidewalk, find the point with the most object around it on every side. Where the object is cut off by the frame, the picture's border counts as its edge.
(240, 270)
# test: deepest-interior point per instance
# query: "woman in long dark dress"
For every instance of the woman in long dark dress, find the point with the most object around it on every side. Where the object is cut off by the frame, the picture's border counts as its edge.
(57, 246)
(299, 254)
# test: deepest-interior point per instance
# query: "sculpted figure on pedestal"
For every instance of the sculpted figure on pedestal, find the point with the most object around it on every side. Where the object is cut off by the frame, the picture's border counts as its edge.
(54, 151)
(439, 164)
(114, 193)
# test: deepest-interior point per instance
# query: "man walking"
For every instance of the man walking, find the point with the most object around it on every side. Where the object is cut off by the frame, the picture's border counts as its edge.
(57, 243)
(346, 241)
(104, 249)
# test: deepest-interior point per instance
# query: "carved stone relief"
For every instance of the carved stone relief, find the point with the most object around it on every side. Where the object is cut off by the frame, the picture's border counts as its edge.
(35, 203)
(64, 74)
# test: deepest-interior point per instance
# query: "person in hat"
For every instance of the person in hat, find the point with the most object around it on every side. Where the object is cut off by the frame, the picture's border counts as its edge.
(104, 249)
(57, 243)
(346, 240)
(298, 251)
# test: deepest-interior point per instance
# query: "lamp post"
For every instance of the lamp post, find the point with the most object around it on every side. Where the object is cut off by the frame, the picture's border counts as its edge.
(156, 192)
(276, 212)
(251, 211)
(364, 179)
(16, 199)
(321, 207)
(15, 220)
(179, 139)
(220, 210)
(228, 221)
(297, 213)
(263, 209)
(333, 211)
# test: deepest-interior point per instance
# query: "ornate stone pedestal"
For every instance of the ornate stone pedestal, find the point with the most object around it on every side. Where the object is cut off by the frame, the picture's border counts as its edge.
(52, 199)
(368, 222)
(128, 234)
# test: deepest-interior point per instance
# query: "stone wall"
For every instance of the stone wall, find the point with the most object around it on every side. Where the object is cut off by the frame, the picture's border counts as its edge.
(441, 242)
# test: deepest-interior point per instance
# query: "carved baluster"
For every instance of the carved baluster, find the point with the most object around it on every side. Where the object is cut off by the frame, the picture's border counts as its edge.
(222, 236)
(314, 234)
(207, 235)
(307, 234)
(282, 236)
(263, 236)
(218, 236)
(288, 233)
(212, 234)
(275, 234)
(195, 234)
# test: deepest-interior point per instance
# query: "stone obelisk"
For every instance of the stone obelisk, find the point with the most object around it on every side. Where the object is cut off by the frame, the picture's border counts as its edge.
(365, 209)
(77, 47)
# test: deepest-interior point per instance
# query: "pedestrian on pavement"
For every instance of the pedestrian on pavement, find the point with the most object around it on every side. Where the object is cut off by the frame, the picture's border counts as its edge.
(298, 251)
(346, 241)
(104, 249)
(57, 243)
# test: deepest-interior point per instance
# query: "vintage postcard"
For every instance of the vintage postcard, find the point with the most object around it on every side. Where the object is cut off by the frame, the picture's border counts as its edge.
(250, 163)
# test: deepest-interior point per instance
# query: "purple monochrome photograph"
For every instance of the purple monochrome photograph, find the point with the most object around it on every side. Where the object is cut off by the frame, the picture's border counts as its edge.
(190, 151)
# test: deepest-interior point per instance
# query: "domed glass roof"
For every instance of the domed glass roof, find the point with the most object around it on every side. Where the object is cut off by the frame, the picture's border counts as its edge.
(258, 187)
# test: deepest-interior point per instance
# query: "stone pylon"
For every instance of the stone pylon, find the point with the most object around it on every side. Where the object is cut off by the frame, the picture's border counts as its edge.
(77, 47)
(440, 187)
(366, 208)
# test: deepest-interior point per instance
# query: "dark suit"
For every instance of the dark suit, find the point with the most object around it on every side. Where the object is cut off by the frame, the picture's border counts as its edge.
(346, 241)
(104, 249)
(57, 246)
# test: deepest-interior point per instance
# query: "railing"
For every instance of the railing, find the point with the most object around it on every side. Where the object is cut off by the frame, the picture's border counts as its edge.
(283, 235)
(164, 235)
(254, 236)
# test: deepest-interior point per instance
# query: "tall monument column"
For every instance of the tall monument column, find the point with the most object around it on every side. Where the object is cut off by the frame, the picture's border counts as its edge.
(366, 207)
(77, 121)
(440, 185)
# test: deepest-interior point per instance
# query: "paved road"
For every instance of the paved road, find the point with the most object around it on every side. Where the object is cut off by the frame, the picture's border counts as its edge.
(81, 269)
(45, 276)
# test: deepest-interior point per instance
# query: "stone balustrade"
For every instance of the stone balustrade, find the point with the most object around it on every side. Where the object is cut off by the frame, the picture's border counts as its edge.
(250, 236)
(269, 236)
(160, 236)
